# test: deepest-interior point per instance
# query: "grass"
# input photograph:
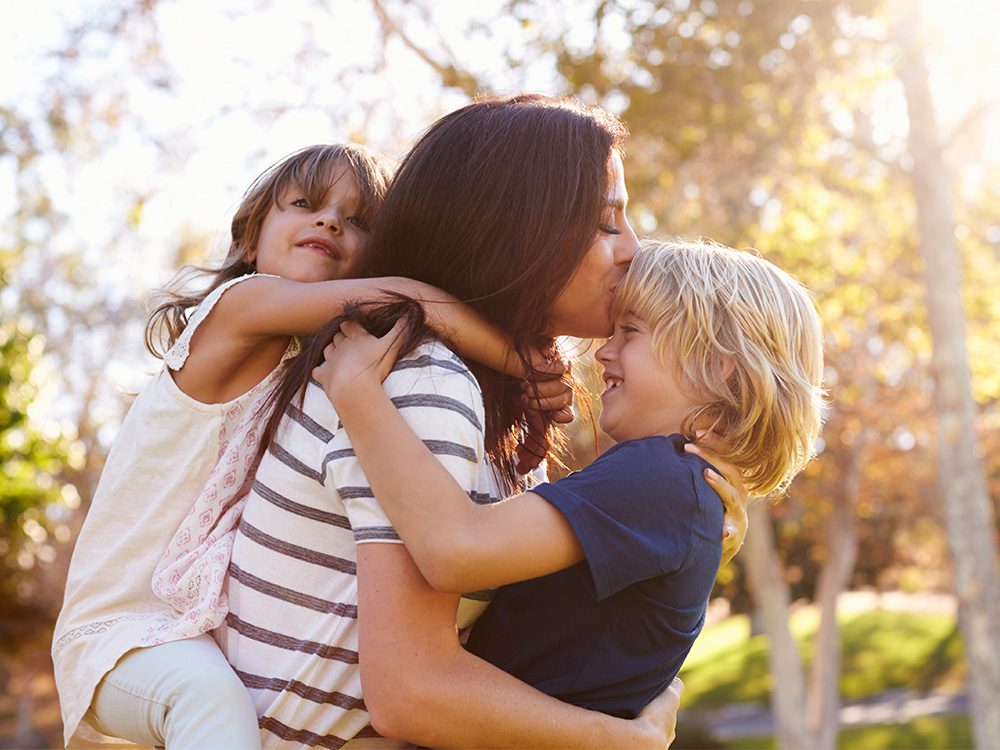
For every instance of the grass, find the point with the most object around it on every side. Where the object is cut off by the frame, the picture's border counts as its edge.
(882, 650)
(941, 732)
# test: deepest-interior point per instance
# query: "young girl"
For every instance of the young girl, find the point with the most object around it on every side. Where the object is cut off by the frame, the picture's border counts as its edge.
(606, 573)
(136, 667)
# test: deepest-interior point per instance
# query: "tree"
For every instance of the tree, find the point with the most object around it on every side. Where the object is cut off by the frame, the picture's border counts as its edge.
(970, 516)
(33, 509)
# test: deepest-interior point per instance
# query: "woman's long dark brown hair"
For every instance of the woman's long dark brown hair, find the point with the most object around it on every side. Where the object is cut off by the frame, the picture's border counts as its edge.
(497, 203)
(377, 318)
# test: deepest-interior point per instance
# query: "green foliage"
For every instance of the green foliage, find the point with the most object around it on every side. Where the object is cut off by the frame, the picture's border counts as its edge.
(30, 486)
(882, 650)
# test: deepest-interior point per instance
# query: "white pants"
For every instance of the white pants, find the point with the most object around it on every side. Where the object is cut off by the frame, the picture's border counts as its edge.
(181, 695)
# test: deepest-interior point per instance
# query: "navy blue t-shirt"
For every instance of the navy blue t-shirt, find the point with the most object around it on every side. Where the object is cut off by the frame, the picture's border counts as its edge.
(610, 633)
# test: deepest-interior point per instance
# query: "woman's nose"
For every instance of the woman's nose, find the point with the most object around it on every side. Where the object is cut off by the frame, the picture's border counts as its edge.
(628, 246)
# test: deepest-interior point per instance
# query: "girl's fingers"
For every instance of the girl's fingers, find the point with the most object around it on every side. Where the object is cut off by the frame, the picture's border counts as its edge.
(552, 387)
(562, 416)
(555, 403)
(730, 473)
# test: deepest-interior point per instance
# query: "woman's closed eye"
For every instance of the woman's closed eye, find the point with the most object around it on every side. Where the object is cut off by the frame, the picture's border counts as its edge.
(609, 229)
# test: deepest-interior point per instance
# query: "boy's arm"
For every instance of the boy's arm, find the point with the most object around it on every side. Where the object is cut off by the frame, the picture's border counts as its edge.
(459, 546)
(420, 685)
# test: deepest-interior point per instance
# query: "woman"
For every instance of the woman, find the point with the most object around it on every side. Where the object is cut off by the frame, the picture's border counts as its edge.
(516, 205)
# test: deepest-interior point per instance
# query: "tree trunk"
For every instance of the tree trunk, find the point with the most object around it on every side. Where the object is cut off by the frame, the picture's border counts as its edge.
(823, 700)
(771, 600)
(970, 518)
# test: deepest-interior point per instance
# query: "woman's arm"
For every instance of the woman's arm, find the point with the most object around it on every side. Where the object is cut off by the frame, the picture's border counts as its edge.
(420, 685)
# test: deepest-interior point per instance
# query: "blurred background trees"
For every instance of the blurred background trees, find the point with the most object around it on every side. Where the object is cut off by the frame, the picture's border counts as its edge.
(779, 125)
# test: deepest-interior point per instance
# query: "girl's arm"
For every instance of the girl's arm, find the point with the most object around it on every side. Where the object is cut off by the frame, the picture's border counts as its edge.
(266, 307)
(458, 546)
(420, 685)
(247, 333)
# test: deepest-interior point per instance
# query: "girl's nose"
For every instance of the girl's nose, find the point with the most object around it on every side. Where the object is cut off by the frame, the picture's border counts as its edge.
(327, 220)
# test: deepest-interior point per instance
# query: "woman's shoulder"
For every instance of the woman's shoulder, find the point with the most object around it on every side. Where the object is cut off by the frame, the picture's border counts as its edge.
(432, 362)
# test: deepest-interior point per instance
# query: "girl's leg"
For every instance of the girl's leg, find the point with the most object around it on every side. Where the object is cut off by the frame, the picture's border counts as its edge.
(177, 695)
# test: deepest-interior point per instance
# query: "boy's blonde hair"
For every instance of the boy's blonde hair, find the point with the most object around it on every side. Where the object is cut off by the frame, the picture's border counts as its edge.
(745, 338)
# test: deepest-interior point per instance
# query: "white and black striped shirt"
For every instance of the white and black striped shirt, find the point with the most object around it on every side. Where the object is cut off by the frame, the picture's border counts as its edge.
(292, 633)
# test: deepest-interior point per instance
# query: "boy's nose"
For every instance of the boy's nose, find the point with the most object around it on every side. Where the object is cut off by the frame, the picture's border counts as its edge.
(603, 352)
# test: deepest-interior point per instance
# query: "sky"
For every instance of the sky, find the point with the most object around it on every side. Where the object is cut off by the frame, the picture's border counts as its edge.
(217, 90)
(241, 95)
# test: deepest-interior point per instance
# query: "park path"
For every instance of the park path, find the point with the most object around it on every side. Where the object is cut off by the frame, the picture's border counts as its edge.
(890, 707)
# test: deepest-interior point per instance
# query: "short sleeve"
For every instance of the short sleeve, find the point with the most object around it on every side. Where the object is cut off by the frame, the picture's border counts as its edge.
(633, 511)
(440, 400)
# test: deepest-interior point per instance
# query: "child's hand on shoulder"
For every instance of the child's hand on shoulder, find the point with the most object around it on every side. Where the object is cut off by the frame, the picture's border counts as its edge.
(729, 486)
(356, 359)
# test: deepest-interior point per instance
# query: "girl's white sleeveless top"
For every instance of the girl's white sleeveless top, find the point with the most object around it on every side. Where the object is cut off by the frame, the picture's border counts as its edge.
(166, 450)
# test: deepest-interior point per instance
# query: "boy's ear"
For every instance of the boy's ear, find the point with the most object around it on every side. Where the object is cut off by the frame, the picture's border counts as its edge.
(728, 367)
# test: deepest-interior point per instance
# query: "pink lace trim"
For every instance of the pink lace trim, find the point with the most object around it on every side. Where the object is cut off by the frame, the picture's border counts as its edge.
(191, 574)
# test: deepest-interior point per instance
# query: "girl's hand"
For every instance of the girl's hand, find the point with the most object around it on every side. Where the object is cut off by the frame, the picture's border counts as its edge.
(551, 396)
(729, 486)
(660, 716)
(356, 357)
(549, 399)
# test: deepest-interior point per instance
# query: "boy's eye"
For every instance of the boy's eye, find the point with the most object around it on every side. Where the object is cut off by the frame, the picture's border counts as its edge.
(300, 203)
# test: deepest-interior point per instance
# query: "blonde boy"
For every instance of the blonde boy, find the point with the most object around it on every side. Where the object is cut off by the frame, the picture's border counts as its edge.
(605, 575)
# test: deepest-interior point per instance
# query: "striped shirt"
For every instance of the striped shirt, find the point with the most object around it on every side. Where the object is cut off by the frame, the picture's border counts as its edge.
(292, 629)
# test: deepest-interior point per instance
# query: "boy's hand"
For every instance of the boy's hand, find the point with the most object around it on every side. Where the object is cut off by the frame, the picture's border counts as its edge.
(356, 357)
(735, 498)
(660, 716)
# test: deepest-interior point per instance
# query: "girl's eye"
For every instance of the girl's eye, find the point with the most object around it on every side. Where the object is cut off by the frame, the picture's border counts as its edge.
(358, 223)
(629, 329)
(300, 203)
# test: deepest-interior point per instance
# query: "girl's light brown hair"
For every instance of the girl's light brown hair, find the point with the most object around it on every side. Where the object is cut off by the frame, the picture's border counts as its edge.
(745, 339)
(314, 170)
